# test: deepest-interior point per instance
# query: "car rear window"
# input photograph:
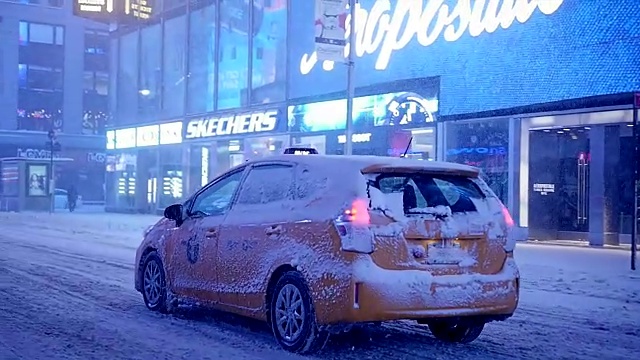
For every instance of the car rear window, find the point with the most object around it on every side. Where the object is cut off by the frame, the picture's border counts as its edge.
(422, 191)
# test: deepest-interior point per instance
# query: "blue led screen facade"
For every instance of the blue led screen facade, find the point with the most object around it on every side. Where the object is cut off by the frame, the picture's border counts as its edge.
(529, 52)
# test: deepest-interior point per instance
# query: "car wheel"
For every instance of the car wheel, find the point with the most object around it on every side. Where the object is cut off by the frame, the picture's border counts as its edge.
(293, 318)
(154, 285)
(456, 332)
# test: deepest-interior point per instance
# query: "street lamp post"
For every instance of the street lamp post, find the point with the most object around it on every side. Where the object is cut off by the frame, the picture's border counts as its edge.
(348, 145)
(636, 187)
(53, 146)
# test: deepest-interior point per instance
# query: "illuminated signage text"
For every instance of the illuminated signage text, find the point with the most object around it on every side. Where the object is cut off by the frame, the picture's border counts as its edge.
(231, 125)
(148, 135)
(171, 133)
(126, 138)
(356, 138)
(140, 9)
(384, 31)
(204, 164)
(36, 153)
(94, 6)
(111, 140)
(121, 11)
(494, 150)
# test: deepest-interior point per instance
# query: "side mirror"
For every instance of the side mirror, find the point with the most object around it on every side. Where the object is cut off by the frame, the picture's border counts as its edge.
(174, 212)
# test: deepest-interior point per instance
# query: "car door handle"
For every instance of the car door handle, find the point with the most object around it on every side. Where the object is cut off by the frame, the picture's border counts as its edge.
(273, 230)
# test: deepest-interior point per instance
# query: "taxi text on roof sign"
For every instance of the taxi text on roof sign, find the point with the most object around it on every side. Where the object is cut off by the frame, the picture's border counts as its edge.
(388, 26)
(259, 121)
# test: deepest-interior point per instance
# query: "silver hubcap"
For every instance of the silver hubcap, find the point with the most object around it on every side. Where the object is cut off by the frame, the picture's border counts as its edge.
(152, 283)
(290, 313)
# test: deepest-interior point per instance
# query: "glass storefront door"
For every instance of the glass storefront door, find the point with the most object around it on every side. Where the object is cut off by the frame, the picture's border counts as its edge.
(581, 183)
(559, 183)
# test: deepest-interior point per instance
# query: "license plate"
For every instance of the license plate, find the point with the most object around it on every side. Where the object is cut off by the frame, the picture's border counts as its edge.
(445, 252)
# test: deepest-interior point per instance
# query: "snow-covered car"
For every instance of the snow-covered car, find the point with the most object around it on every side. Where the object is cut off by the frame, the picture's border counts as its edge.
(61, 201)
(314, 244)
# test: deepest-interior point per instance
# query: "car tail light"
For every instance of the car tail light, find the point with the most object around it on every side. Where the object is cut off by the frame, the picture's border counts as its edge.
(353, 228)
(510, 242)
(507, 217)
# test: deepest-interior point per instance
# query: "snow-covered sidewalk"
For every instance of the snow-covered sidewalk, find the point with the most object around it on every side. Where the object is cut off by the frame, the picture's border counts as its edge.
(66, 291)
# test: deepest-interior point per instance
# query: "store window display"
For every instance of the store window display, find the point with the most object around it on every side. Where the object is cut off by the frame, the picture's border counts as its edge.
(483, 144)
(121, 180)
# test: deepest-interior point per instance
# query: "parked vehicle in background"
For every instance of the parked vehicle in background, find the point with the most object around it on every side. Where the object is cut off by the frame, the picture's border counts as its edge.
(313, 244)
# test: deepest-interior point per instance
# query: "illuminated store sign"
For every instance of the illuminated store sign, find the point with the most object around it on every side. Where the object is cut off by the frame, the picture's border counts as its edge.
(356, 138)
(111, 139)
(385, 29)
(126, 138)
(141, 9)
(494, 150)
(94, 6)
(120, 11)
(405, 108)
(171, 133)
(245, 123)
(148, 135)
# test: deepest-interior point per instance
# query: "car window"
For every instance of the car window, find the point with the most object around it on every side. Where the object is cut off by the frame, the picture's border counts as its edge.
(267, 184)
(61, 192)
(216, 199)
(427, 191)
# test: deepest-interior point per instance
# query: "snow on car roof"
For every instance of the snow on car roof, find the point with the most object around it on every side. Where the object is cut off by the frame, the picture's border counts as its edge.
(377, 163)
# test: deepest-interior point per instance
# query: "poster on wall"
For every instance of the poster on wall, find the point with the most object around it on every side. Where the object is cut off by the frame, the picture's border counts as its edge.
(483, 144)
(330, 29)
(37, 180)
(403, 108)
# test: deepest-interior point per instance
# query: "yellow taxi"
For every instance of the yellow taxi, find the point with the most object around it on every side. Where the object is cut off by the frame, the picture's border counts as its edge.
(314, 244)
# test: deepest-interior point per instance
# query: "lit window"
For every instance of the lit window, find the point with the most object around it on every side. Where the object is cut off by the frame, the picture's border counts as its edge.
(24, 33)
(41, 33)
(59, 35)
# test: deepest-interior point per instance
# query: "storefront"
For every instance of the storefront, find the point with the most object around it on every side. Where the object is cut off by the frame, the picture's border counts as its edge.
(144, 167)
(221, 141)
(566, 176)
(152, 166)
(82, 168)
(389, 119)
(577, 176)
(534, 118)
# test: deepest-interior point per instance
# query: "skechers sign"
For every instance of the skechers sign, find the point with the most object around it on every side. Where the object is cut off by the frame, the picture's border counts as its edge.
(245, 123)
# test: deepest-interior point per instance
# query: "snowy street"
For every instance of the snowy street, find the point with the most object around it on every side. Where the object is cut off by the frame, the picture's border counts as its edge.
(66, 292)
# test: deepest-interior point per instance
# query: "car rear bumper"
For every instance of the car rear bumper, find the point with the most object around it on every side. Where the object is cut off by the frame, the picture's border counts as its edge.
(381, 295)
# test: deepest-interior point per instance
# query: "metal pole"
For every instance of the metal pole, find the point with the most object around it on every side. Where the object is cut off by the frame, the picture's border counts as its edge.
(51, 190)
(636, 192)
(348, 146)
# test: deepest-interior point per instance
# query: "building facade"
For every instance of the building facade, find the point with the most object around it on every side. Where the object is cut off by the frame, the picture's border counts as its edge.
(54, 75)
(526, 90)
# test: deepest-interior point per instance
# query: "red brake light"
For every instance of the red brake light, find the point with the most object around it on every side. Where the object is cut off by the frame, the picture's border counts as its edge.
(507, 217)
(359, 212)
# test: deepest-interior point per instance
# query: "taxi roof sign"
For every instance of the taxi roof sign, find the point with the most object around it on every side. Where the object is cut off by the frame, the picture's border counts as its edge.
(300, 151)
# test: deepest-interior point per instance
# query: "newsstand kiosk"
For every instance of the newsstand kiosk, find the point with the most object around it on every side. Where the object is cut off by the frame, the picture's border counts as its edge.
(26, 184)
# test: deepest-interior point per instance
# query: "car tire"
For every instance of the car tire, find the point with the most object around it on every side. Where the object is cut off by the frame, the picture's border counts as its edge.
(293, 317)
(154, 284)
(456, 332)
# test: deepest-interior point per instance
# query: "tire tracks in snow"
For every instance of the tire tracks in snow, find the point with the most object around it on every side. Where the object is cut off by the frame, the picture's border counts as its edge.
(51, 283)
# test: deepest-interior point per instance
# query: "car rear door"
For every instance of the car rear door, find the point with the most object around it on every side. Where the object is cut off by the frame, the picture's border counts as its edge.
(448, 224)
(255, 227)
(194, 245)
